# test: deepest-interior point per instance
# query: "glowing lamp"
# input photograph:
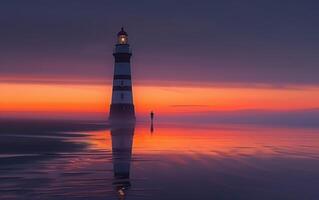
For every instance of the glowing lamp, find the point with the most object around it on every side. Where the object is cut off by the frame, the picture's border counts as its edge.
(122, 37)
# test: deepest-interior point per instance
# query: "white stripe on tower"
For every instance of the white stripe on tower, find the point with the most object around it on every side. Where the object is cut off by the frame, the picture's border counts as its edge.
(122, 69)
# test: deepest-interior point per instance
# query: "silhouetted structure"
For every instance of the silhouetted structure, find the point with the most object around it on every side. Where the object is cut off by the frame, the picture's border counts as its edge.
(122, 107)
(152, 116)
(152, 127)
(122, 141)
(152, 119)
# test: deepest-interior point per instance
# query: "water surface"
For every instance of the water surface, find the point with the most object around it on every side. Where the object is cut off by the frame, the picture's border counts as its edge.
(90, 160)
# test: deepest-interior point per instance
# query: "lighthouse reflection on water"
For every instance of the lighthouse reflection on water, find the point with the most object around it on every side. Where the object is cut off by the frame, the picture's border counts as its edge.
(122, 140)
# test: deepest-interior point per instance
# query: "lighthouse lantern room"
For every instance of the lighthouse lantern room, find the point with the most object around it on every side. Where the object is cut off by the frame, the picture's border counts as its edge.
(122, 37)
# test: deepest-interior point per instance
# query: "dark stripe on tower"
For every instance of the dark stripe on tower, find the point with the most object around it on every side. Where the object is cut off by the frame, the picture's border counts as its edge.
(126, 77)
(122, 111)
(122, 57)
(122, 88)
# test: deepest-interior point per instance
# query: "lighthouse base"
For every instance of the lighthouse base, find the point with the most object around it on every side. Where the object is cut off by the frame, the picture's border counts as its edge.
(122, 112)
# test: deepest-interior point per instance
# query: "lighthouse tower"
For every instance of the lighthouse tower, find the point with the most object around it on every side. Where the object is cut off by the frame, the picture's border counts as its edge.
(122, 107)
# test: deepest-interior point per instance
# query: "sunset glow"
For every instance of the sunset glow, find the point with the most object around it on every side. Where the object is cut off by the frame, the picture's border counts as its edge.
(213, 140)
(159, 100)
(96, 98)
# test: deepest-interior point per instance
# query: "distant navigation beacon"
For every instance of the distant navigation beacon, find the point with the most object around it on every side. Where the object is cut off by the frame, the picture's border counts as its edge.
(122, 107)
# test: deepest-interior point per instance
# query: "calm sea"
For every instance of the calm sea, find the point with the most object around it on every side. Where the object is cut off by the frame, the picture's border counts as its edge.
(91, 160)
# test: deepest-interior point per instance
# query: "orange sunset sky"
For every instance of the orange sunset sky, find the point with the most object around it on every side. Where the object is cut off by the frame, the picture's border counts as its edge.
(164, 99)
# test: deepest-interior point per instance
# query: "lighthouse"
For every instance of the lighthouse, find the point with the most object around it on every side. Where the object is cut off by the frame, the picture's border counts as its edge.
(122, 107)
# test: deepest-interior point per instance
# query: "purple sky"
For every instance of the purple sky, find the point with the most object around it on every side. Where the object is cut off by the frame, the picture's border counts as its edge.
(270, 42)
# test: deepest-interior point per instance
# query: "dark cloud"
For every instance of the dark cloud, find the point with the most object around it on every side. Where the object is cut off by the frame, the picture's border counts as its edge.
(272, 42)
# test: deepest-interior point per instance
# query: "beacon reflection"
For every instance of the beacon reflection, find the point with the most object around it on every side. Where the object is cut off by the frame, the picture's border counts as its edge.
(122, 141)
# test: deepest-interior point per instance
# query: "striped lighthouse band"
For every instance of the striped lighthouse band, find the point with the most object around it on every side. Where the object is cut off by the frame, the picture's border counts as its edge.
(122, 57)
(122, 88)
(122, 70)
(125, 77)
(122, 53)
